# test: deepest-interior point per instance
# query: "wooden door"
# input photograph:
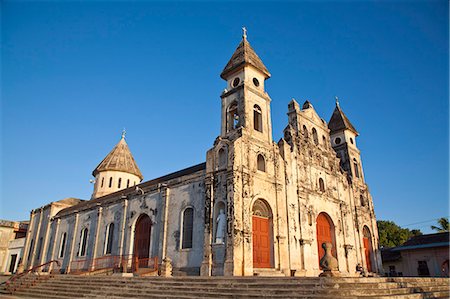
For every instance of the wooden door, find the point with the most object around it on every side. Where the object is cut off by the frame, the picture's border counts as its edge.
(367, 253)
(325, 234)
(261, 242)
(142, 237)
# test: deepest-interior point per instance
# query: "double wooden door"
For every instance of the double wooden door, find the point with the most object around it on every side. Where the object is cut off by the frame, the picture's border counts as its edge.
(325, 234)
(142, 234)
(367, 253)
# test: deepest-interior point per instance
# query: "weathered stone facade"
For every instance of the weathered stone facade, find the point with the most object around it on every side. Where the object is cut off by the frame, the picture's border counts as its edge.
(281, 200)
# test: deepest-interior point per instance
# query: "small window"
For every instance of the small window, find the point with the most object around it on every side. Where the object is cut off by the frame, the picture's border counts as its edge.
(257, 118)
(39, 249)
(128, 183)
(321, 185)
(255, 82)
(356, 166)
(62, 246)
(188, 222)
(110, 182)
(233, 117)
(83, 242)
(119, 183)
(351, 140)
(236, 82)
(324, 140)
(103, 181)
(222, 157)
(315, 137)
(305, 131)
(261, 163)
(337, 140)
(30, 251)
(109, 238)
(362, 200)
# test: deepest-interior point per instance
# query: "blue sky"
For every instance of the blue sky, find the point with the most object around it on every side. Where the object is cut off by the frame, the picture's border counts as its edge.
(74, 74)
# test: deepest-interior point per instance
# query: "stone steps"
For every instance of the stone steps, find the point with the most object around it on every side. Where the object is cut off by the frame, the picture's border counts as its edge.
(72, 286)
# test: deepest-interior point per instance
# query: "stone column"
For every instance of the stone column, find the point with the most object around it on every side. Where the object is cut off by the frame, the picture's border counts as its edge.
(26, 248)
(36, 241)
(122, 227)
(55, 245)
(45, 244)
(97, 230)
(72, 245)
(165, 203)
(206, 266)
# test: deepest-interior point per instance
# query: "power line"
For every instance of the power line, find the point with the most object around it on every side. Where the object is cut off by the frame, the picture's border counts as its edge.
(422, 221)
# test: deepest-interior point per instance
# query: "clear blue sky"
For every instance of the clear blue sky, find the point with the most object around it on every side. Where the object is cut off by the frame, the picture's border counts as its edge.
(74, 74)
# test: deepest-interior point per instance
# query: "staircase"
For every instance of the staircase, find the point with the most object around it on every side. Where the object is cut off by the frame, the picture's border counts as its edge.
(71, 286)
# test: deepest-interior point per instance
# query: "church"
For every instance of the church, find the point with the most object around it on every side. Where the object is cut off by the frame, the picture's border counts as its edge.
(255, 207)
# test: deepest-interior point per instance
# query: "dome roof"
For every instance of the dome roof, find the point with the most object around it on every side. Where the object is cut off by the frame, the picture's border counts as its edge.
(119, 159)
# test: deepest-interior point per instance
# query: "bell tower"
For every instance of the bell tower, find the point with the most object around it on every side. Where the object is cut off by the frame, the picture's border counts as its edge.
(343, 140)
(245, 104)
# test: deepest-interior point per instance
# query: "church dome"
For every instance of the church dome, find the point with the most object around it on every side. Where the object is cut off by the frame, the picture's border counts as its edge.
(119, 159)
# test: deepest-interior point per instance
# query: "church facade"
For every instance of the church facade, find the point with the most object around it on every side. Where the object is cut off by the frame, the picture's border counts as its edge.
(255, 207)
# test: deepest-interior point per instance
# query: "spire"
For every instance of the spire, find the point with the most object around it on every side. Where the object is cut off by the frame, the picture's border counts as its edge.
(119, 159)
(242, 56)
(339, 120)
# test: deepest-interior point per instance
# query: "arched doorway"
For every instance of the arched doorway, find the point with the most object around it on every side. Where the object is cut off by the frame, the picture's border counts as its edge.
(262, 235)
(325, 234)
(367, 240)
(142, 234)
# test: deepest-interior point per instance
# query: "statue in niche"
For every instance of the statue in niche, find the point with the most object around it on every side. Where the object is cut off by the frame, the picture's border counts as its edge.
(220, 227)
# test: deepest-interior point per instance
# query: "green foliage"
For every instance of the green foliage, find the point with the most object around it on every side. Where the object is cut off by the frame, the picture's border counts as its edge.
(443, 225)
(392, 235)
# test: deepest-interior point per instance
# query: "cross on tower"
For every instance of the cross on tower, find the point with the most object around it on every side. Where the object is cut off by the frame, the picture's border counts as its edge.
(244, 32)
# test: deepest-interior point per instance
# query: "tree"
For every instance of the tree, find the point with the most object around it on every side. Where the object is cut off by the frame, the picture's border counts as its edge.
(443, 225)
(392, 235)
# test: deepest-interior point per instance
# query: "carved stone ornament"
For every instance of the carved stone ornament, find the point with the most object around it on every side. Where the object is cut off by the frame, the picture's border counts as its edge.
(328, 262)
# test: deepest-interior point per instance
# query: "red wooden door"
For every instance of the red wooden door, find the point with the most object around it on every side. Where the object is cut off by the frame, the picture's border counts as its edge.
(324, 235)
(142, 237)
(261, 242)
(367, 251)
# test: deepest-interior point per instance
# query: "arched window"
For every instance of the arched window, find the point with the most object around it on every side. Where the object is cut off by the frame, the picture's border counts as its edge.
(83, 242)
(324, 140)
(321, 185)
(257, 118)
(128, 183)
(109, 238)
(233, 117)
(362, 200)
(305, 131)
(356, 166)
(315, 137)
(103, 180)
(222, 157)
(62, 246)
(110, 182)
(261, 164)
(188, 226)
(119, 183)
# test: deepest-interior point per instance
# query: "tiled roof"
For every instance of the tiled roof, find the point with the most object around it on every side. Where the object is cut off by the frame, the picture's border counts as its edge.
(426, 241)
(388, 255)
(244, 55)
(112, 197)
(119, 159)
(339, 121)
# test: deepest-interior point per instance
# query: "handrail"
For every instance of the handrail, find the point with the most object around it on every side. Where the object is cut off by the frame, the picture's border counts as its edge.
(124, 263)
(23, 274)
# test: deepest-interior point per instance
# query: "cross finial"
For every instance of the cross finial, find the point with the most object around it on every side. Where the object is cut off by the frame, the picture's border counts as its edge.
(337, 100)
(124, 132)
(244, 33)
